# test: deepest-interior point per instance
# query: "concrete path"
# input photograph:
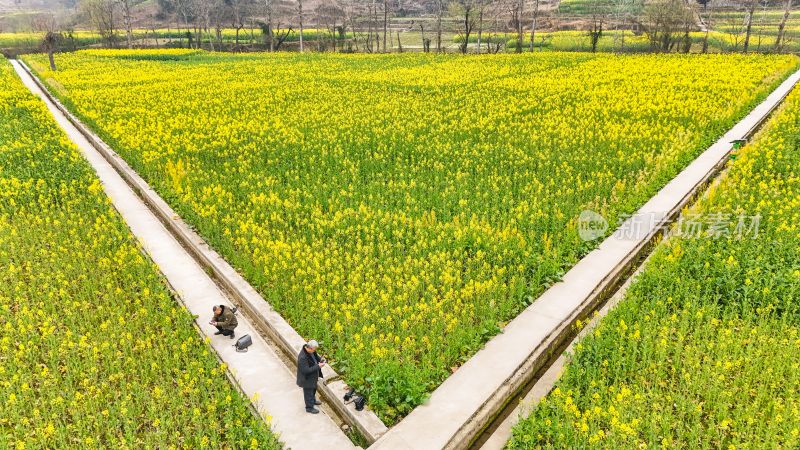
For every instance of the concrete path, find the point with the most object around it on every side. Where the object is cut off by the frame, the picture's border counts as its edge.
(260, 372)
(276, 330)
(461, 406)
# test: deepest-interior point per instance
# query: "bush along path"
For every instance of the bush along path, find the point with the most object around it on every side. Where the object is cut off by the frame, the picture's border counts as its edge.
(260, 372)
(704, 350)
(94, 351)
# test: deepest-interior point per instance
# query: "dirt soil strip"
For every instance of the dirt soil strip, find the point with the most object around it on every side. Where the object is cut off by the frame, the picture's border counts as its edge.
(462, 407)
(260, 372)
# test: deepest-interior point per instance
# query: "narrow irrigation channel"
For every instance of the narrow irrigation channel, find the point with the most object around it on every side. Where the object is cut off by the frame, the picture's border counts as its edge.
(498, 431)
(263, 373)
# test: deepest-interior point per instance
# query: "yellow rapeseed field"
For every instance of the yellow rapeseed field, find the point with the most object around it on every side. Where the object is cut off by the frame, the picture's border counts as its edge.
(704, 350)
(403, 208)
(94, 351)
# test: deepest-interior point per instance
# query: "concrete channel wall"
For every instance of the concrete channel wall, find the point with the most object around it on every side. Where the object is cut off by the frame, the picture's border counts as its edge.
(258, 310)
(501, 433)
(461, 407)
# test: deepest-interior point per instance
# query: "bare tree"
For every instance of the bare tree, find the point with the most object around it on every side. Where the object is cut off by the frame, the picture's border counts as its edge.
(53, 38)
(782, 26)
(663, 19)
(199, 14)
(426, 42)
(481, 9)
(385, 21)
(495, 17)
(597, 20)
(439, 14)
(688, 17)
(534, 16)
(282, 35)
(50, 44)
(707, 22)
(329, 13)
(207, 12)
(465, 10)
(186, 10)
(127, 20)
(268, 31)
(625, 11)
(347, 18)
(750, 8)
(238, 10)
(516, 10)
(101, 15)
(368, 41)
(734, 28)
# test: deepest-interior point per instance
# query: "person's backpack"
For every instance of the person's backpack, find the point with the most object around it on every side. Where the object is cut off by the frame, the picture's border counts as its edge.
(243, 342)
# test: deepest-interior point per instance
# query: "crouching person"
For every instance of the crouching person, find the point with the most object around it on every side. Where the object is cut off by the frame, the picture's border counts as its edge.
(224, 320)
(309, 370)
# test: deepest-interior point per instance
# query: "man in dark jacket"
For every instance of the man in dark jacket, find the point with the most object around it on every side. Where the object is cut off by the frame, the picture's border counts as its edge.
(309, 370)
(224, 320)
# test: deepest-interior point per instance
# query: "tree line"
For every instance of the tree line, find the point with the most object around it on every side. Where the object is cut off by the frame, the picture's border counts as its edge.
(475, 26)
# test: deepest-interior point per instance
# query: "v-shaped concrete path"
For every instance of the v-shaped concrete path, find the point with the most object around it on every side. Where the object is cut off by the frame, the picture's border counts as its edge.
(260, 372)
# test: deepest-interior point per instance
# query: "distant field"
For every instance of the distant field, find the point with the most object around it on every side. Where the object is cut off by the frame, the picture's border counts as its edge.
(583, 7)
(402, 208)
(764, 22)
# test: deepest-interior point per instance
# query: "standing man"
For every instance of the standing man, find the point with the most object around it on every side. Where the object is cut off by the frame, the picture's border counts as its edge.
(224, 320)
(309, 370)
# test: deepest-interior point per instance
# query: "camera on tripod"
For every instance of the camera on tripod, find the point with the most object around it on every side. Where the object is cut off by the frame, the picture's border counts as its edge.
(355, 398)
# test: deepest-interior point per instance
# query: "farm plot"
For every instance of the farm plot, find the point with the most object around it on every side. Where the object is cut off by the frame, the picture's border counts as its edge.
(704, 350)
(94, 351)
(403, 208)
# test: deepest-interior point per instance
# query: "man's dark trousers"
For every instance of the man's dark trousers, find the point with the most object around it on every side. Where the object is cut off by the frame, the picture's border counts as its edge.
(225, 332)
(310, 397)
